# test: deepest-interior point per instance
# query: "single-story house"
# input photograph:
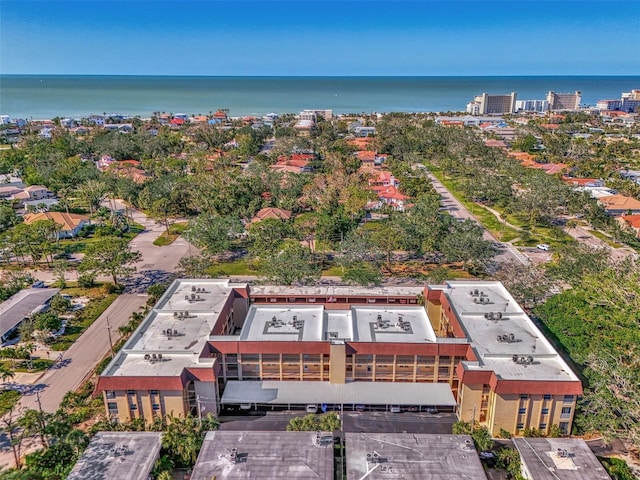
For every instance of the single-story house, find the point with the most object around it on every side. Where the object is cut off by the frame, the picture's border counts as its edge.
(620, 205)
(630, 222)
(70, 223)
(271, 212)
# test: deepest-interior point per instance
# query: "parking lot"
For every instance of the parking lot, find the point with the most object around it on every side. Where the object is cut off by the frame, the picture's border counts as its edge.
(352, 422)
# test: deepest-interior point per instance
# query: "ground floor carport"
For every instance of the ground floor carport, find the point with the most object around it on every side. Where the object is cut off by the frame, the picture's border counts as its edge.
(293, 395)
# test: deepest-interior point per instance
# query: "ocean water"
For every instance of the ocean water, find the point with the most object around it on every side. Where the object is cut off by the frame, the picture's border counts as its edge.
(46, 96)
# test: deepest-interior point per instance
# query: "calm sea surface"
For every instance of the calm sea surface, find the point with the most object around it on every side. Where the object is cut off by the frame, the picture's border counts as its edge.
(47, 96)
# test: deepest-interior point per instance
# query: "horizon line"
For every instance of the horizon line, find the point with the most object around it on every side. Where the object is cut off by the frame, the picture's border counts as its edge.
(307, 76)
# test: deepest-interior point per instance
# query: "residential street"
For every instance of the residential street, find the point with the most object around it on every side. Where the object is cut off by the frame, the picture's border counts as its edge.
(507, 252)
(585, 236)
(157, 264)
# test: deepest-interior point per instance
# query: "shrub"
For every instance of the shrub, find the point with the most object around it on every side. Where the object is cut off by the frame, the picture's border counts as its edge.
(87, 280)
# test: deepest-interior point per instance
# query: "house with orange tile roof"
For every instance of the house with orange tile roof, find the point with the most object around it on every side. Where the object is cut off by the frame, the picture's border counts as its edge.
(620, 205)
(583, 182)
(391, 196)
(630, 222)
(271, 212)
(294, 163)
(69, 224)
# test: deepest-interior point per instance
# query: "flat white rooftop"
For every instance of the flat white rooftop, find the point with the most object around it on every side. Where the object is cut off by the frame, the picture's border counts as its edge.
(196, 295)
(411, 456)
(387, 323)
(113, 455)
(559, 459)
(268, 455)
(273, 392)
(503, 336)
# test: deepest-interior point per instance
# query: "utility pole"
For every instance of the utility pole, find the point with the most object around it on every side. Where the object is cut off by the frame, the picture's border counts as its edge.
(110, 340)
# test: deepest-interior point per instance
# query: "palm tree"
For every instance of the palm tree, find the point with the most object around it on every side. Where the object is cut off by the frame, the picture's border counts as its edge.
(92, 192)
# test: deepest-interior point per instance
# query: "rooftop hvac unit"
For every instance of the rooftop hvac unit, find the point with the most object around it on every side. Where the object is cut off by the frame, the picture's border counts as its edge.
(234, 455)
(193, 288)
(159, 356)
(147, 356)
(379, 318)
(175, 314)
(562, 453)
(498, 315)
(154, 356)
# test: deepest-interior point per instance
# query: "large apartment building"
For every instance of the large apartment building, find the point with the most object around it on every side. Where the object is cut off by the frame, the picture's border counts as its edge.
(465, 346)
(564, 101)
(486, 104)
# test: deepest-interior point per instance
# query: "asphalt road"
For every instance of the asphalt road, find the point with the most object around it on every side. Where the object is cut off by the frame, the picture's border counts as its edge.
(77, 363)
(584, 236)
(505, 253)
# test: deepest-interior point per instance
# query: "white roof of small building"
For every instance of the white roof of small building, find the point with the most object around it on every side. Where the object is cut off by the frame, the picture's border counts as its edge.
(118, 455)
(382, 456)
(559, 459)
(267, 455)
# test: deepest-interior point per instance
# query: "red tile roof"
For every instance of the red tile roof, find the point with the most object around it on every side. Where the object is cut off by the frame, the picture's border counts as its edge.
(271, 212)
(632, 220)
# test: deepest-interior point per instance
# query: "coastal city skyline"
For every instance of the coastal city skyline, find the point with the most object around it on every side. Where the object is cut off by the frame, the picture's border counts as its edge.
(320, 38)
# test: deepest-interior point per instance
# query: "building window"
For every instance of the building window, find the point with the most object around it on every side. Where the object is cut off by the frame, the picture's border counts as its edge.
(155, 407)
(131, 392)
(566, 412)
(545, 411)
(564, 427)
(112, 407)
(543, 426)
(547, 397)
(520, 426)
(524, 396)
(110, 394)
(568, 399)
(153, 392)
(133, 406)
(522, 411)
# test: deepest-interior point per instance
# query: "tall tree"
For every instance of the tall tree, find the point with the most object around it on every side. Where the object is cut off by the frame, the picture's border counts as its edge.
(110, 256)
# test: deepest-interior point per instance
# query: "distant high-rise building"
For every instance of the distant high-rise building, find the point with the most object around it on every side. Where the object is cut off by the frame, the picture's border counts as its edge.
(564, 101)
(486, 104)
(631, 101)
(609, 104)
(532, 106)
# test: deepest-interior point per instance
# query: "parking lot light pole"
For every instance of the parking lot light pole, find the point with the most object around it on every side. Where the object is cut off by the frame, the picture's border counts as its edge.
(110, 340)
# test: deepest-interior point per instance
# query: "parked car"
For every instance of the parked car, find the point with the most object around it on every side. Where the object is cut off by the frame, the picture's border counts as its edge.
(543, 246)
(395, 409)
(39, 284)
(312, 408)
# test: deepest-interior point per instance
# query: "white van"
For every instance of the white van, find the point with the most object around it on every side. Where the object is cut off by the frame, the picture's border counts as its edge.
(312, 408)
(395, 409)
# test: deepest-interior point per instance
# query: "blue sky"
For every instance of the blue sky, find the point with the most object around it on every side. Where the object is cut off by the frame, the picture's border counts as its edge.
(182, 37)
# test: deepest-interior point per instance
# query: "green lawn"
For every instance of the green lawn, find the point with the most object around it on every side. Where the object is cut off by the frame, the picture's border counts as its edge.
(175, 231)
(237, 267)
(79, 245)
